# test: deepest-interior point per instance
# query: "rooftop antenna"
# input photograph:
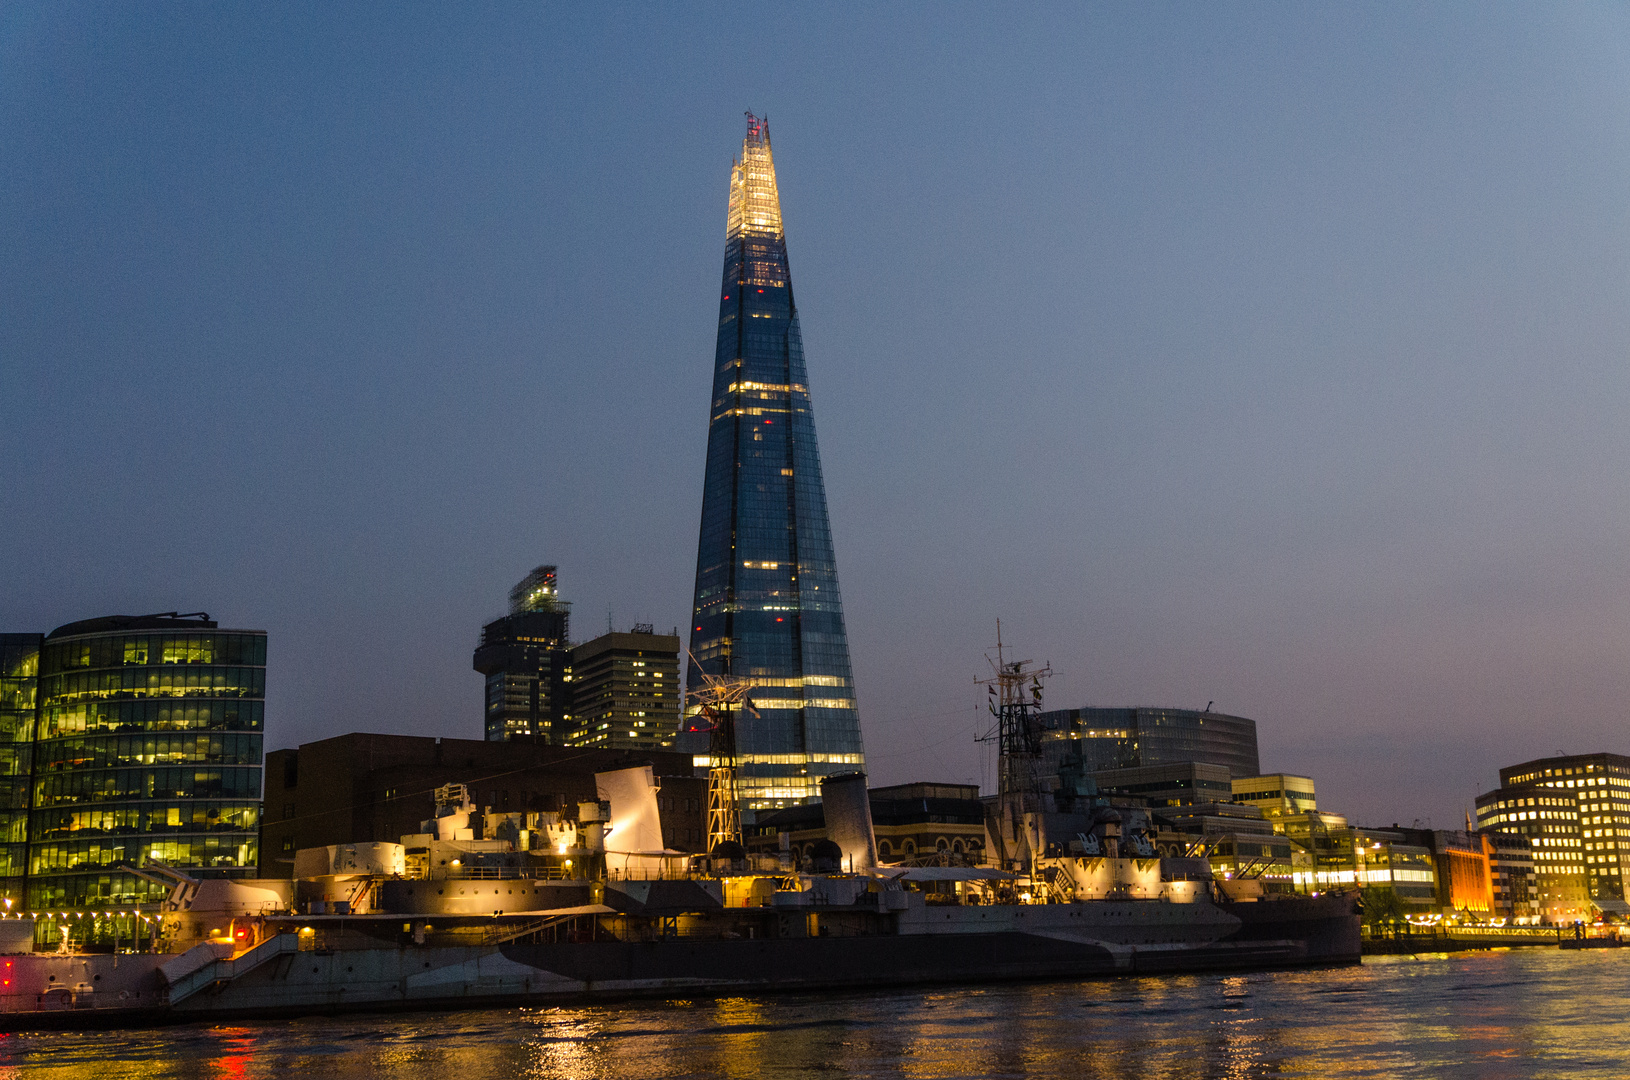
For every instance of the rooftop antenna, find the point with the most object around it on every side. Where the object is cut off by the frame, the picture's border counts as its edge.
(1209, 704)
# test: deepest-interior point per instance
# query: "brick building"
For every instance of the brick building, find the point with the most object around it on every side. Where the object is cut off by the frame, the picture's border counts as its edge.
(363, 787)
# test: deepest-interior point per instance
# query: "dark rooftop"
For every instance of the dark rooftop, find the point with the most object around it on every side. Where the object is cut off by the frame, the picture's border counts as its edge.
(167, 620)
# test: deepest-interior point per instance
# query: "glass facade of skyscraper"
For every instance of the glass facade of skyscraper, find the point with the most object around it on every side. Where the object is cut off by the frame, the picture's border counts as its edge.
(527, 660)
(19, 686)
(148, 747)
(1128, 738)
(767, 604)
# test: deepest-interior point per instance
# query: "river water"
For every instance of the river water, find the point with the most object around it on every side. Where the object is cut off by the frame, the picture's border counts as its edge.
(1528, 1013)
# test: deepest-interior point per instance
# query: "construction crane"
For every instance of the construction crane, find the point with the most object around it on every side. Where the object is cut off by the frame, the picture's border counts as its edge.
(717, 703)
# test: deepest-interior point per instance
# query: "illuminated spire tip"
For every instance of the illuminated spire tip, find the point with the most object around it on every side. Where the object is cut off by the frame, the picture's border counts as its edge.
(755, 204)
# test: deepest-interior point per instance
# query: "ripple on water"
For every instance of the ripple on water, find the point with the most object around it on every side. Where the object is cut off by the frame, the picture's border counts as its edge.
(1536, 1013)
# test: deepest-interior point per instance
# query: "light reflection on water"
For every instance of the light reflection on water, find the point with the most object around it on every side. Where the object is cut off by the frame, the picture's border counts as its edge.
(1533, 1013)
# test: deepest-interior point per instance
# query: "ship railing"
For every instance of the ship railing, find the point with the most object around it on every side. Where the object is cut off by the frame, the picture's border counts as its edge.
(665, 874)
(507, 873)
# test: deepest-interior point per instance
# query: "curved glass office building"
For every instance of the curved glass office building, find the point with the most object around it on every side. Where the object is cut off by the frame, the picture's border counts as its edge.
(148, 746)
(1132, 738)
(19, 679)
(767, 606)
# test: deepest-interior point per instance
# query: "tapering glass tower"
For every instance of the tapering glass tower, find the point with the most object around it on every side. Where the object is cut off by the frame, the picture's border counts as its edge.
(767, 602)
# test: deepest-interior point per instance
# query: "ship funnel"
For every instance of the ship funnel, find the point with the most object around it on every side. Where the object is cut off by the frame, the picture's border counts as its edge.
(849, 819)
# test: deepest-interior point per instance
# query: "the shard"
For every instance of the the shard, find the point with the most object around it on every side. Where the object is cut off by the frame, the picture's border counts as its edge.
(767, 604)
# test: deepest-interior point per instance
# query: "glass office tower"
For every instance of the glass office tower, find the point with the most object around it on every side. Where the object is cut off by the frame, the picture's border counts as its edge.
(527, 661)
(148, 747)
(1111, 738)
(767, 605)
(19, 685)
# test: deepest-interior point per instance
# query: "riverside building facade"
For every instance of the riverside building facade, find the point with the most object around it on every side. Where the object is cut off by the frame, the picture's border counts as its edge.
(1575, 812)
(1277, 794)
(143, 743)
(19, 687)
(767, 607)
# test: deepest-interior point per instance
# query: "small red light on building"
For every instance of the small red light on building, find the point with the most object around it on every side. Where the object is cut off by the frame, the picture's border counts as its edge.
(761, 290)
(778, 619)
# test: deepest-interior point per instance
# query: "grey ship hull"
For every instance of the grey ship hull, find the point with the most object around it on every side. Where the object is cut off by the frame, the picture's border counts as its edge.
(1075, 941)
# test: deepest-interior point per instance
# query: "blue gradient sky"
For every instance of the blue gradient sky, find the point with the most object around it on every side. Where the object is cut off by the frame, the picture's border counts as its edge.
(1272, 354)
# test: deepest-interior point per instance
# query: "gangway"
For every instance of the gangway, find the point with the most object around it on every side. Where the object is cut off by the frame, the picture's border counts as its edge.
(201, 966)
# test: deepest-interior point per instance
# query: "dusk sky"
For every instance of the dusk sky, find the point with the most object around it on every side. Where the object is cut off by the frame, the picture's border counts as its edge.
(1269, 355)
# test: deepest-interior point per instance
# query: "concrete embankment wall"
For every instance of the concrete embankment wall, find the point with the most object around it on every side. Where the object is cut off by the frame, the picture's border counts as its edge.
(1409, 944)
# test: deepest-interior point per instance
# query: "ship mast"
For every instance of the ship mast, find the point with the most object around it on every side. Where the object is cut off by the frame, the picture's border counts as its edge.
(1014, 699)
(717, 702)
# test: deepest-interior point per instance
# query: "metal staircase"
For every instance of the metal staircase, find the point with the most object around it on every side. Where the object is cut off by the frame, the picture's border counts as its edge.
(225, 970)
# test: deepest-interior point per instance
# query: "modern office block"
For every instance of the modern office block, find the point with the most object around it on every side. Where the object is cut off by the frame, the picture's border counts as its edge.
(1276, 794)
(767, 607)
(1184, 783)
(148, 746)
(525, 656)
(1575, 812)
(625, 691)
(1511, 864)
(19, 688)
(1112, 738)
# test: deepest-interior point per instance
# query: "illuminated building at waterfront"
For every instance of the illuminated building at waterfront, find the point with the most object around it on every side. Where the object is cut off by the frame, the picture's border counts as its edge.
(19, 686)
(147, 745)
(1276, 794)
(1575, 812)
(1511, 868)
(767, 607)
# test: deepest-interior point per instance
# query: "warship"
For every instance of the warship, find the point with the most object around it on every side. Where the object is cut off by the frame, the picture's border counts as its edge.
(481, 908)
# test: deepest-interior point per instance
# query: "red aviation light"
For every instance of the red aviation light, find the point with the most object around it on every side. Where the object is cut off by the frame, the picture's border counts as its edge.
(761, 290)
(778, 618)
